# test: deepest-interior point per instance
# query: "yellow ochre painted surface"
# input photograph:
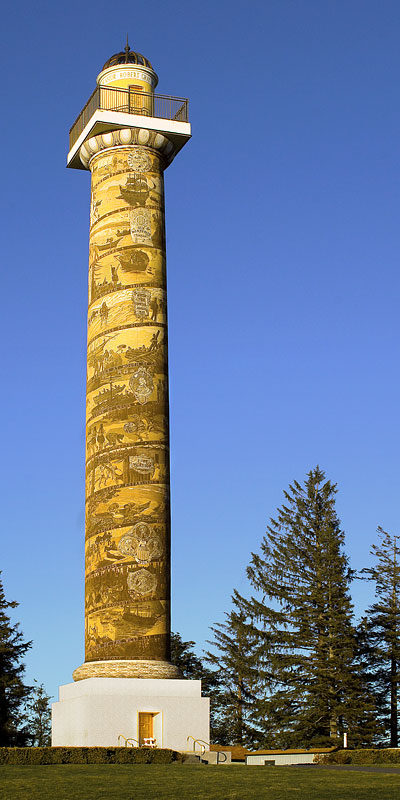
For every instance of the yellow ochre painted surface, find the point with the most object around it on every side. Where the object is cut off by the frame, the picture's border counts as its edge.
(138, 84)
(127, 596)
(134, 76)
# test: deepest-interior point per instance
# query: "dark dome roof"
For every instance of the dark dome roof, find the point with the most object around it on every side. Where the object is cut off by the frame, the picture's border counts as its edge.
(127, 56)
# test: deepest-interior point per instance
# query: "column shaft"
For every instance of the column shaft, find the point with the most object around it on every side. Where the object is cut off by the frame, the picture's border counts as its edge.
(127, 595)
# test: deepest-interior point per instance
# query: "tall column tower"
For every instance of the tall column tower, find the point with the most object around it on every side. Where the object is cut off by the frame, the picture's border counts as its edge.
(126, 136)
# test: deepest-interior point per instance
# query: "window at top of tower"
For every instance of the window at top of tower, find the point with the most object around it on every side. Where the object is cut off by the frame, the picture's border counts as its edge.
(127, 56)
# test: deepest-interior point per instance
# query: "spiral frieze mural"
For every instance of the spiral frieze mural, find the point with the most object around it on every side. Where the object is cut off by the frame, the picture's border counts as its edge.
(127, 614)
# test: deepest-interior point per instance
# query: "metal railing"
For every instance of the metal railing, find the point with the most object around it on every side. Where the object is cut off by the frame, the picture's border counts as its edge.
(130, 102)
(201, 742)
(127, 741)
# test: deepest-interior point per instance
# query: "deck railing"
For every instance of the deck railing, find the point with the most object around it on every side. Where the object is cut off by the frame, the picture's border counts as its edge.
(130, 102)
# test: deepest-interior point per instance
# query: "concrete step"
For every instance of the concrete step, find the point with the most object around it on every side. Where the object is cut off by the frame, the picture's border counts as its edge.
(192, 758)
(217, 756)
(209, 757)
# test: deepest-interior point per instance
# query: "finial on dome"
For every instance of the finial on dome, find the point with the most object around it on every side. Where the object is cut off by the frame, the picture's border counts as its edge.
(127, 49)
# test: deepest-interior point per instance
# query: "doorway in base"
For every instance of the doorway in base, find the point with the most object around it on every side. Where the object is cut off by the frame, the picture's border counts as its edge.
(150, 728)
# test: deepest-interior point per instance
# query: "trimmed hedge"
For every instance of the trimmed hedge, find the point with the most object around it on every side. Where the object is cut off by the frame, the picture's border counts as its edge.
(88, 755)
(385, 755)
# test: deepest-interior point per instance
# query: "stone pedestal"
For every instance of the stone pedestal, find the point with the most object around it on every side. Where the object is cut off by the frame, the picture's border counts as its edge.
(96, 711)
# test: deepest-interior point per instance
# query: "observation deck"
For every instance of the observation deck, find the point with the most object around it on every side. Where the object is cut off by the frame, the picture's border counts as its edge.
(109, 108)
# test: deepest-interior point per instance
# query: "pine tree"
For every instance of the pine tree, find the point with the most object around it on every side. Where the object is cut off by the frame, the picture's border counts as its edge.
(381, 629)
(233, 656)
(303, 617)
(13, 692)
(192, 667)
(38, 710)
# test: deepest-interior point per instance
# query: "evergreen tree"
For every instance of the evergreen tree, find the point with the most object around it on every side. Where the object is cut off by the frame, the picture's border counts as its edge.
(381, 630)
(13, 692)
(38, 709)
(192, 667)
(234, 656)
(302, 616)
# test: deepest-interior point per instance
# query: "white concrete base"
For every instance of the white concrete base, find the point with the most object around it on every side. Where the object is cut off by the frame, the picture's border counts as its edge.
(95, 711)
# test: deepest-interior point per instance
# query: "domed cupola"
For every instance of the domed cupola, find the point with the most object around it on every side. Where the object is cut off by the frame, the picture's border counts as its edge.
(128, 68)
(128, 56)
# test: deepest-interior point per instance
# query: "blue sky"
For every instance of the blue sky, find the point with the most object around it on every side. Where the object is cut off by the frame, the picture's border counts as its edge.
(283, 278)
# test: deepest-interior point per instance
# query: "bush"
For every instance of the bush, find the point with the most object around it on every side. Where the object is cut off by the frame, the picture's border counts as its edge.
(385, 755)
(88, 755)
(336, 757)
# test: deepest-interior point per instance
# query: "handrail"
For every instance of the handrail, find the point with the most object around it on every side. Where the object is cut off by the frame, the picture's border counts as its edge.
(121, 736)
(110, 98)
(202, 742)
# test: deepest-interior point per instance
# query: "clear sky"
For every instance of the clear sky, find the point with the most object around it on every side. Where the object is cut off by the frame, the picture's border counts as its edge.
(283, 278)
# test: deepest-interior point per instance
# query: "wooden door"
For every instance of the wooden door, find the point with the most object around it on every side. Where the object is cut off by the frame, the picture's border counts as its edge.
(145, 726)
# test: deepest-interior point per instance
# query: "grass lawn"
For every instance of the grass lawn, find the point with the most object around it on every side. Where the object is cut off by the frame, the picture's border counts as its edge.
(177, 782)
